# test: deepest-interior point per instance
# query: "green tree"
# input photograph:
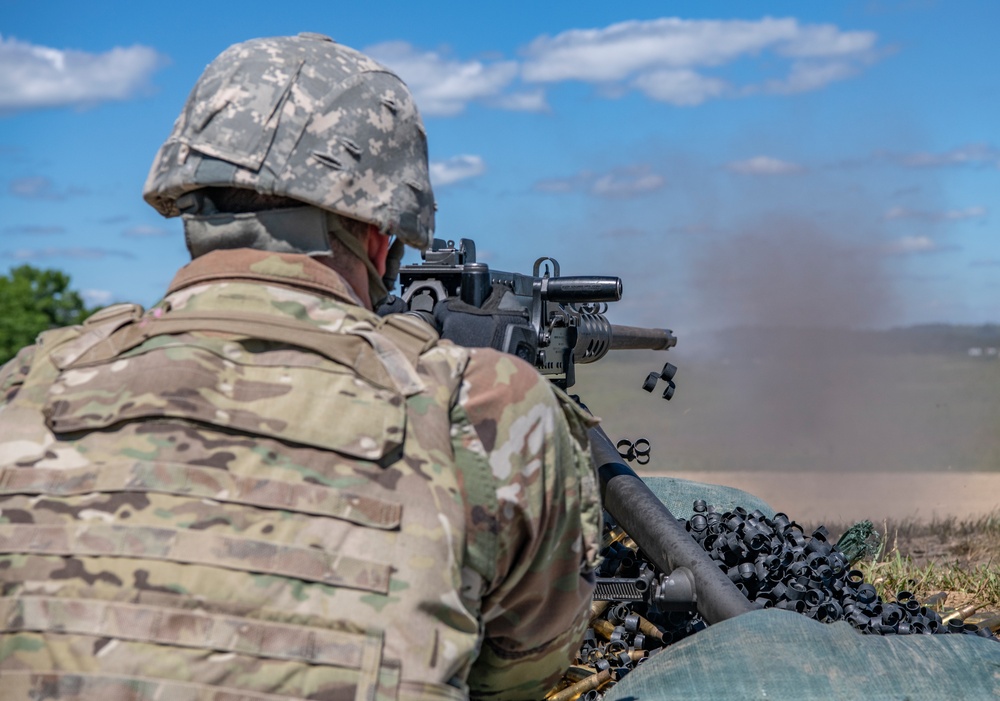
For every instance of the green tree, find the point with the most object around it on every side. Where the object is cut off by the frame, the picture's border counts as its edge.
(31, 301)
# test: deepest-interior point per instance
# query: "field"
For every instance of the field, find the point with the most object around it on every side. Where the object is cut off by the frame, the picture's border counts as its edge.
(909, 415)
(908, 440)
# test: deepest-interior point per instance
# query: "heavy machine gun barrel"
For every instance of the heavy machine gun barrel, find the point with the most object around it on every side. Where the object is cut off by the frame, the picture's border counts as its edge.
(639, 338)
(659, 535)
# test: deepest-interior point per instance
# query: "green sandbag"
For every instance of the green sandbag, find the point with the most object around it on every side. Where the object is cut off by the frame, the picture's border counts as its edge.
(780, 655)
(679, 495)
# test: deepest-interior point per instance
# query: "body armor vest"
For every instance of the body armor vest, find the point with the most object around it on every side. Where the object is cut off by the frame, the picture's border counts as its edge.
(193, 506)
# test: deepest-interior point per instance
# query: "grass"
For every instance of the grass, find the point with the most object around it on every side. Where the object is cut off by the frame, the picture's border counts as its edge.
(959, 557)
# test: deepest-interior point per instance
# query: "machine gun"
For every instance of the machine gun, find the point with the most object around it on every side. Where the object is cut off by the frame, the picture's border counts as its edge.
(554, 322)
(551, 321)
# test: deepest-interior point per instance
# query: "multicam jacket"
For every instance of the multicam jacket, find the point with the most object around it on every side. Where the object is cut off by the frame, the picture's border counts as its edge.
(260, 490)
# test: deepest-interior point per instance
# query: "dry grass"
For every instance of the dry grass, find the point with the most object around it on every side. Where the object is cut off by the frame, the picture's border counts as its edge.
(957, 557)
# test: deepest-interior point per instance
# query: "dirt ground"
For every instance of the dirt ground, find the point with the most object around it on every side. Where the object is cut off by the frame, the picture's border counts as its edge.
(847, 498)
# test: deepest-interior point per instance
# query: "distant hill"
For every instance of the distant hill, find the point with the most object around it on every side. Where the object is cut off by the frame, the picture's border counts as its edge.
(936, 338)
(920, 339)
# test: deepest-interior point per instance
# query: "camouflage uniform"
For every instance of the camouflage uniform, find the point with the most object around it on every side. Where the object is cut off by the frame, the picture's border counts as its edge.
(258, 489)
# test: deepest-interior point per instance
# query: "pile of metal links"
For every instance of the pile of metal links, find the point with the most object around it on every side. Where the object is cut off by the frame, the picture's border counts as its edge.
(771, 560)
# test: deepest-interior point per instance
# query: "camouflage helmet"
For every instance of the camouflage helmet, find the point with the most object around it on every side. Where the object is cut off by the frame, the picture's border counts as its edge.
(306, 118)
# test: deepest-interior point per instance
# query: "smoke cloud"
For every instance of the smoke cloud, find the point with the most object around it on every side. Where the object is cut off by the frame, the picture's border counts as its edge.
(789, 292)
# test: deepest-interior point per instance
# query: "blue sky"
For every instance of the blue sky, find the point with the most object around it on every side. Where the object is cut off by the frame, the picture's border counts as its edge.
(735, 163)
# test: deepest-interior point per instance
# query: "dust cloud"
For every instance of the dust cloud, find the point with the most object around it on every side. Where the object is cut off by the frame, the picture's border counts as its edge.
(770, 286)
(787, 293)
(788, 380)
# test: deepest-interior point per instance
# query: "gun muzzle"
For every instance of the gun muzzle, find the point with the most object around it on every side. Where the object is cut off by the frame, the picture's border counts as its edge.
(580, 289)
(596, 336)
(638, 338)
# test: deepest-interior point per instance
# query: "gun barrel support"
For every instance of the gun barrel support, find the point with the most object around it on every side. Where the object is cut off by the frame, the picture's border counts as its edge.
(659, 535)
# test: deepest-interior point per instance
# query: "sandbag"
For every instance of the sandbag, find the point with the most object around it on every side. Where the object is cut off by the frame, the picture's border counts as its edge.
(679, 495)
(780, 655)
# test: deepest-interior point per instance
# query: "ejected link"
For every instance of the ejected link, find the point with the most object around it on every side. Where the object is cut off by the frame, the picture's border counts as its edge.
(667, 373)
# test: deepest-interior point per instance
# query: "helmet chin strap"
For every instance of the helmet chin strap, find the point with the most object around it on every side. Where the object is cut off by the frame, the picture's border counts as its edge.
(392, 263)
(378, 285)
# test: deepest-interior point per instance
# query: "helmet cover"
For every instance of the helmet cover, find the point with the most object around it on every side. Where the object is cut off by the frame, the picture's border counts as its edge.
(306, 118)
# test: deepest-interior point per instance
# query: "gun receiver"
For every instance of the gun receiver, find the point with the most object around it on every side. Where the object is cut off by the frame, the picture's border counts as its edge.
(555, 322)
(550, 320)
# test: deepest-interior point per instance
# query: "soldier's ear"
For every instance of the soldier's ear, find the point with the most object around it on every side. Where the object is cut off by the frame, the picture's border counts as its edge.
(377, 245)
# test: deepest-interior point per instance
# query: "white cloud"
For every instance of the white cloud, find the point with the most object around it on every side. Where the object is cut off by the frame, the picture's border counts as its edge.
(33, 76)
(680, 86)
(531, 101)
(946, 215)
(911, 244)
(34, 230)
(667, 58)
(826, 40)
(76, 253)
(625, 182)
(455, 169)
(97, 298)
(31, 187)
(38, 187)
(967, 213)
(764, 165)
(808, 75)
(620, 50)
(563, 185)
(976, 155)
(145, 231)
(443, 86)
(625, 232)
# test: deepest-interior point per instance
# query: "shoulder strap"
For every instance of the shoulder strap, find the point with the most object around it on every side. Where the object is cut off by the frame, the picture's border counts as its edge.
(413, 336)
(25, 434)
(66, 345)
(376, 361)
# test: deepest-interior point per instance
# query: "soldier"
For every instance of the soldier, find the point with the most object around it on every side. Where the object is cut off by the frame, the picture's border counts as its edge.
(260, 489)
